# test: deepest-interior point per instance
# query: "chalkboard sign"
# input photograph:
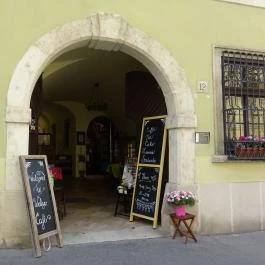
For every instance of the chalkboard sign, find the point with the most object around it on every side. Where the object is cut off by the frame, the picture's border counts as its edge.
(146, 195)
(146, 191)
(152, 140)
(40, 197)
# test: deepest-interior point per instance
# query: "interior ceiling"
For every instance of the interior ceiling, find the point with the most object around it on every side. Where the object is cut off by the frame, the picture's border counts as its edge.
(72, 75)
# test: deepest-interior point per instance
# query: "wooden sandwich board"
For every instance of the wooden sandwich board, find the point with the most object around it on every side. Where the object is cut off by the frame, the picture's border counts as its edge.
(41, 203)
(149, 171)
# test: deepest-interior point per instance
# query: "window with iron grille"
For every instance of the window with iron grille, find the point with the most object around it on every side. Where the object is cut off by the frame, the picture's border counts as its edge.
(243, 87)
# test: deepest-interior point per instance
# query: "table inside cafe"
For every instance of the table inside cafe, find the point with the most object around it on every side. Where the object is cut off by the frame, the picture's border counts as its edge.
(58, 189)
(125, 187)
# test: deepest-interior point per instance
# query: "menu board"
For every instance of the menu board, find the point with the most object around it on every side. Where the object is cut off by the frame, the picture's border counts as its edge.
(152, 140)
(146, 191)
(147, 188)
(40, 198)
(41, 195)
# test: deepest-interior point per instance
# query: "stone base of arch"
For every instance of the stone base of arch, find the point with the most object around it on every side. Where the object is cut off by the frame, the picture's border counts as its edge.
(99, 31)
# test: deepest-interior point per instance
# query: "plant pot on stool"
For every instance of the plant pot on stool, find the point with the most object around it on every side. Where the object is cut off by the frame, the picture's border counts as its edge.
(179, 199)
(180, 210)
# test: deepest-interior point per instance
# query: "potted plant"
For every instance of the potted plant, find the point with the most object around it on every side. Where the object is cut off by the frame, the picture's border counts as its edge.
(242, 145)
(179, 199)
(262, 147)
(240, 149)
(249, 146)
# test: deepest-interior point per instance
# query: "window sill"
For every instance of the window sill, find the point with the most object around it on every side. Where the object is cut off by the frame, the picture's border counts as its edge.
(256, 3)
(224, 159)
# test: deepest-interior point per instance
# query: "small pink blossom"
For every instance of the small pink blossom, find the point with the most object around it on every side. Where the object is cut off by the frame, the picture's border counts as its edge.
(180, 198)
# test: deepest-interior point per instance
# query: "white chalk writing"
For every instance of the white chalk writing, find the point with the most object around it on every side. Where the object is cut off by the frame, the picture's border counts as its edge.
(39, 203)
(37, 176)
(42, 220)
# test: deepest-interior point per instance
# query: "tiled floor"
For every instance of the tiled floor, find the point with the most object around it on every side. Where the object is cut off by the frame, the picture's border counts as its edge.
(90, 215)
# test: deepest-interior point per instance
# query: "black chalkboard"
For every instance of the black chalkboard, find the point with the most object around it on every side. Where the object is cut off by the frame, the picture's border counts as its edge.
(41, 201)
(152, 140)
(147, 187)
(146, 191)
(41, 195)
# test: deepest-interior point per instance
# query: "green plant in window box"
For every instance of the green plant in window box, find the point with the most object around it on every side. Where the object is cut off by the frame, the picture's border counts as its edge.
(250, 146)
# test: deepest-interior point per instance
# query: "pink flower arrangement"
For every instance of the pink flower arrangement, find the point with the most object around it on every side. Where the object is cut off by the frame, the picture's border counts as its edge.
(180, 198)
(250, 141)
(251, 138)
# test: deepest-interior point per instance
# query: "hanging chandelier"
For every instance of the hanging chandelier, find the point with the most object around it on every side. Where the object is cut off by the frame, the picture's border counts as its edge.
(96, 101)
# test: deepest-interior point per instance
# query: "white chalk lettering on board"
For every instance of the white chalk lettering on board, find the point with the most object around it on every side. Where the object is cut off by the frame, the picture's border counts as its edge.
(144, 206)
(38, 203)
(151, 146)
(154, 188)
(27, 164)
(148, 151)
(43, 220)
(38, 176)
(39, 189)
(41, 163)
(153, 178)
(148, 160)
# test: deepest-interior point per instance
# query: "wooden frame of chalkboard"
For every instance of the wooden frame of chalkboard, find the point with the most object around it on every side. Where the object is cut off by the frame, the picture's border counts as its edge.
(149, 171)
(41, 203)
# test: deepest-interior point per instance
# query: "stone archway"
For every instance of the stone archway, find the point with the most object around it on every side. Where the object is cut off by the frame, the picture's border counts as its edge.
(112, 33)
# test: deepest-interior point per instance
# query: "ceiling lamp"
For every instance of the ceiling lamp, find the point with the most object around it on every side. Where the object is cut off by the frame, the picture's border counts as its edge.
(96, 101)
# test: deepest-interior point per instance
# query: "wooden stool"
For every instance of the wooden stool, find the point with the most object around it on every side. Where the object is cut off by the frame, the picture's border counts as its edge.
(177, 220)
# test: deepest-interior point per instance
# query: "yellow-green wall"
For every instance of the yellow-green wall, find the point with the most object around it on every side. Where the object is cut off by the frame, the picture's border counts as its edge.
(188, 29)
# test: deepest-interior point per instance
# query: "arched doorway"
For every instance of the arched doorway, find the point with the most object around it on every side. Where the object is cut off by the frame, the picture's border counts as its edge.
(99, 145)
(106, 32)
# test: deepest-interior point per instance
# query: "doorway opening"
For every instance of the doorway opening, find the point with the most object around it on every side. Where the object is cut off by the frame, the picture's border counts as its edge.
(99, 151)
(90, 105)
(109, 32)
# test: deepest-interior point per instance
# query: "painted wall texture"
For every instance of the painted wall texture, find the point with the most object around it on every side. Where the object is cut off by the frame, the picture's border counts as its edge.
(189, 34)
(189, 30)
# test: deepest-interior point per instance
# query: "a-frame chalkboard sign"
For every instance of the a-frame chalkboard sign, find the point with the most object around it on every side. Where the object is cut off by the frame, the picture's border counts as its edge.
(149, 172)
(41, 201)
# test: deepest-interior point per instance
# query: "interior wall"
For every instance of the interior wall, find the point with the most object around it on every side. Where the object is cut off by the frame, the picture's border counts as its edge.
(57, 114)
(83, 117)
(44, 124)
(80, 119)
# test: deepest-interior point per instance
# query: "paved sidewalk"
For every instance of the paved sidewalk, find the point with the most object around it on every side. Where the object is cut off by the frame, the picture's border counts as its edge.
(243, 249)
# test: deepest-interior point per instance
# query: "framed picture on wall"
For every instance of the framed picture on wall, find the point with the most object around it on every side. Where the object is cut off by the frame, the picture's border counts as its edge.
(81, 138)
(44, 139)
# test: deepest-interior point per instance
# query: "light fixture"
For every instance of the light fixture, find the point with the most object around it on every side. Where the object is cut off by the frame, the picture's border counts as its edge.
(96, 101)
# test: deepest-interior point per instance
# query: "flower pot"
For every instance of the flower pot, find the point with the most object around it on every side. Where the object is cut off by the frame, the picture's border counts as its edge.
(256, 151)
(241, 151)
(261, 151)
(121, 190)
(238, 151)
(180, 210)
(250, 151)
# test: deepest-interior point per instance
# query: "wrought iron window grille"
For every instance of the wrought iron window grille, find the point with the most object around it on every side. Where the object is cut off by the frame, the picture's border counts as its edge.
(243, 88)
